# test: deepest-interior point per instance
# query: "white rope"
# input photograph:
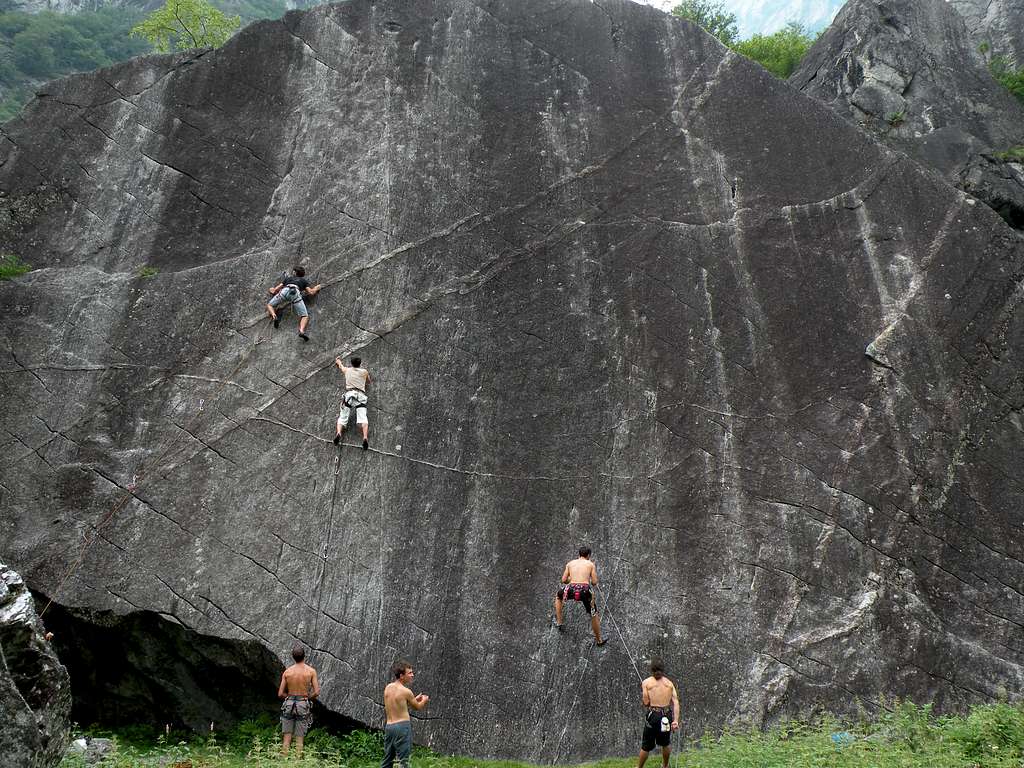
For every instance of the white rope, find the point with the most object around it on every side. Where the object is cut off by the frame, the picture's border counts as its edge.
(608, 611)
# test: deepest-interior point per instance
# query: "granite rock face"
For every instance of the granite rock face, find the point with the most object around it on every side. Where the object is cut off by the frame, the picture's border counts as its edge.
(35, 693)
(907, 71)
(997, 23)
(615, 286)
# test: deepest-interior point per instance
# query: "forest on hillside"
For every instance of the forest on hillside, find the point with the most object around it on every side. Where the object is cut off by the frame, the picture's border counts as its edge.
(36, 48)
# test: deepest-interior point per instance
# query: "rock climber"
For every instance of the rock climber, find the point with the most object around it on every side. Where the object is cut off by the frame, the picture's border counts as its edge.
(397, 700)
(299, 686)
(290, 292)
(662, 702)
(577, 578)
(356, 379)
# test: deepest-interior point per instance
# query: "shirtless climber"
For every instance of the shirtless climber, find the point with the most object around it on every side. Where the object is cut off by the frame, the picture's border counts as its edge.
(356, 379)
(397, 700)
(662, 717)
(290, 291)
(298, 688)
(577, 578)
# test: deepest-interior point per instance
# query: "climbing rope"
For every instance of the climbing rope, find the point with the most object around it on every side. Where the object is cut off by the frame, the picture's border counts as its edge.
(607, 610)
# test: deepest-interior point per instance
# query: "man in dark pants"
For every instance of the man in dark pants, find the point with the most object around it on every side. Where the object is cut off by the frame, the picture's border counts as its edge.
(397, 700)
(662, 718)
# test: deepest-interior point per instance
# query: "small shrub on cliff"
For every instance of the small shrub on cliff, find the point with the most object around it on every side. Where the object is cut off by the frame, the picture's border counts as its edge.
(12, 266)
(780, 53)
(186, 24)
(712, 17)
(1008, 77)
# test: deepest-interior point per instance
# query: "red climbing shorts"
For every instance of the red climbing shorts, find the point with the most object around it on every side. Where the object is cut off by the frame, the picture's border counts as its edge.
(579, 592)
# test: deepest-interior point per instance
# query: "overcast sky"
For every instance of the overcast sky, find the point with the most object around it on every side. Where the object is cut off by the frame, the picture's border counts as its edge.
(767, 16)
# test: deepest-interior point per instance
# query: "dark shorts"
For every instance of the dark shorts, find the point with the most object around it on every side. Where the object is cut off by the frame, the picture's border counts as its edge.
(653, 733)
(580, 592)
(296, 716)
(397, 744)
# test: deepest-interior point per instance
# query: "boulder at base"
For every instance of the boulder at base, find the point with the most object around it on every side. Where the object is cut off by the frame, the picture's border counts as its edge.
(35, 693)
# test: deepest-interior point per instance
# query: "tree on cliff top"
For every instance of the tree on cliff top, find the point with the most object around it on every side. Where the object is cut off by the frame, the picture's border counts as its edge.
(712, 17)
(185, 24)
(779, 53)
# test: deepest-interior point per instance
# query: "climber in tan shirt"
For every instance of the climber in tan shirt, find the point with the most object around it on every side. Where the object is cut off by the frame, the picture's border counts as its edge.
(356, 381)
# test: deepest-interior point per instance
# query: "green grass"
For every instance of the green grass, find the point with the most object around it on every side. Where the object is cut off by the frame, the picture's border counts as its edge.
(905, 736)
(12, 266)
(1013, 153)
(148, 271)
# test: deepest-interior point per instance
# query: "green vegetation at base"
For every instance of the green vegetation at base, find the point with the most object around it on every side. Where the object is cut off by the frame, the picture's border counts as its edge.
(780, 53)
(148, 271)
(12, 266)
(902, 736)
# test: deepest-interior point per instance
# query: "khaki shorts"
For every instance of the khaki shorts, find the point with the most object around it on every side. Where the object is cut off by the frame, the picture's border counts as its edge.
(296, 716)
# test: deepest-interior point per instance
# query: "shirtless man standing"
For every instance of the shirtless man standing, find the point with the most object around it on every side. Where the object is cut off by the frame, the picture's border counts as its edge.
(298, 688)
(397, 700)
(577, 578)
(662, 702)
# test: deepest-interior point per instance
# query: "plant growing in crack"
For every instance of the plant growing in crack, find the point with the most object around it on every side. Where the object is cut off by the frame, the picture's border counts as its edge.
(148, 271)
(11, 266)
(896, 119)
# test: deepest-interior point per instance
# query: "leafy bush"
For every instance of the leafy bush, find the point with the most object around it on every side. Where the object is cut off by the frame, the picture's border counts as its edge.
(12, 266)
(186, 24)
(780, 53)
(712, 17)
(1012, 154)
(1011, 79)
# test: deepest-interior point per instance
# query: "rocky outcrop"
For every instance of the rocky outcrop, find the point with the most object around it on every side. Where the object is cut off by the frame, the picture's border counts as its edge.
(35, 694)
(907, 71)
(998, 24)
(614, 284)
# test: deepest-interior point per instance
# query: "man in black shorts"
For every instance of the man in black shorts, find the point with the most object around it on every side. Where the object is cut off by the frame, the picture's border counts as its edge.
(577, 578)
(662, 717)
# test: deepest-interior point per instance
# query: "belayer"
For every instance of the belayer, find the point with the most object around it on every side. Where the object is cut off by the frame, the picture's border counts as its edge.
(290, 292)
(356, 380)
(662, 703)
(577, 578)
(298, 688)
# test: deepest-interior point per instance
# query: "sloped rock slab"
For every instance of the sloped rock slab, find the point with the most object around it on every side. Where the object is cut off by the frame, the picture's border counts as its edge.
(615, 285)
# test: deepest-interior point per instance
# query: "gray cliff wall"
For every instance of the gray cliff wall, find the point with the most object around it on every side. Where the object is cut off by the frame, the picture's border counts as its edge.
(998, 23)
(908, 72)
(615, 286)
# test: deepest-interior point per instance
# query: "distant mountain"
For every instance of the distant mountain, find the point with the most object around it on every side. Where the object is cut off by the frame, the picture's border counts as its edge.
(767, 16)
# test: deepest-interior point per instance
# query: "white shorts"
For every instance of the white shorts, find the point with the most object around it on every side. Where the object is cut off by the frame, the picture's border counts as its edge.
(353, 399)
